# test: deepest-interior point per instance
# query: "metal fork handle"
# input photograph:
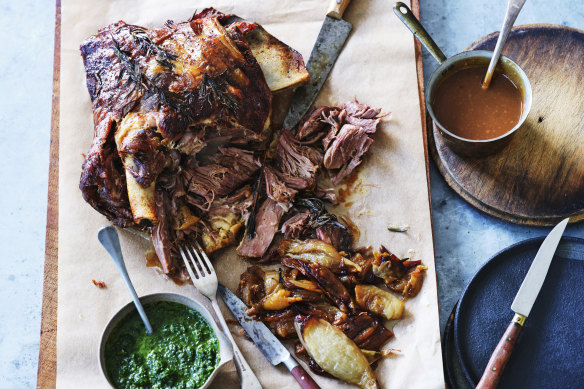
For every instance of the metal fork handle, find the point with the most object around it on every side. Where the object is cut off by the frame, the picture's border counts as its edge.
(246, 374)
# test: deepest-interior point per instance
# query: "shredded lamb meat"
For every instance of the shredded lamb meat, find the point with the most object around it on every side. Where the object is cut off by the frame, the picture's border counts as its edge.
(268, 218)
(297, 225)
(345, 134)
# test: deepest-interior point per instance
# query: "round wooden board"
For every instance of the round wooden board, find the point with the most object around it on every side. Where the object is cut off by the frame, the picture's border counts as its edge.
(538, 179)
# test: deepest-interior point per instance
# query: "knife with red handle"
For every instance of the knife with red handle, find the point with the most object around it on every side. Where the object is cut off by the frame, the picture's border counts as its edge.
(522, 305)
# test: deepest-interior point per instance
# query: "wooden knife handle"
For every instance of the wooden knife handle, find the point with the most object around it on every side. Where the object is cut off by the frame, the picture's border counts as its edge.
(337, 8)
(303, 378)
(500, 356)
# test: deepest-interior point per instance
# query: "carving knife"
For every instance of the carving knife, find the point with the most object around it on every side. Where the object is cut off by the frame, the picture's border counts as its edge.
(331, 38)
(269, 345)
(522, 306)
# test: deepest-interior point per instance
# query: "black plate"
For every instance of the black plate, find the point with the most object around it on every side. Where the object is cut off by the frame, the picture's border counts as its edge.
(550, 349)
(453, 374)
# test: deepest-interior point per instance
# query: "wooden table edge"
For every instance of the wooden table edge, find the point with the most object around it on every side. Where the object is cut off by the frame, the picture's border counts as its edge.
(415, 4)
(47, 362)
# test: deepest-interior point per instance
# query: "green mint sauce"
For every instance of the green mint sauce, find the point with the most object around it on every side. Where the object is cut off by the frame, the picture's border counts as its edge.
(182, 352)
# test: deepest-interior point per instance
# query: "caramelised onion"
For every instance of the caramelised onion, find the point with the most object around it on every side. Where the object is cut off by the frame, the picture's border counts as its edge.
(378, 301)
(316, 251)
(403, 276)
(415, 282)
(332, 287)
(279, 299)
(271, 281)
(306, 284)
(334, 352)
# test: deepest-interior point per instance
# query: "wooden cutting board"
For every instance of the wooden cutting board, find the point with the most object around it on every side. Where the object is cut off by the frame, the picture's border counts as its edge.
(538, 179)
(47, 364)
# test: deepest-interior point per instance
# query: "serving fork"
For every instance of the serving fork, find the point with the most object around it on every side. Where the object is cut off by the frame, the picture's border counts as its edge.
(204, 279)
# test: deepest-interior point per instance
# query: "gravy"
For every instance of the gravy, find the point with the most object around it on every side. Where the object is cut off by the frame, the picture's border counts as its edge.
(464, 108)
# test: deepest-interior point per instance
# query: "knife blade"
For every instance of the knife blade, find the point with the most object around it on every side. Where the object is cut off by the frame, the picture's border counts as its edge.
(533, 281)
(522, 305)
(269, 345)
(329, 43)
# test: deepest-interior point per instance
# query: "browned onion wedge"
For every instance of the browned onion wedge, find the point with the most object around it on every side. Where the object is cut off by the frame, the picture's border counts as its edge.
(378, 301)
(334, 352)
(306, 284)
(415, 282)
(278, 300)
(271, 281)
(316, 251)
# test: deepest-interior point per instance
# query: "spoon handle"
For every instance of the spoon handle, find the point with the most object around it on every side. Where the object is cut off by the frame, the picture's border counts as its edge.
(405, 14)
(108, 237)
(513, 8)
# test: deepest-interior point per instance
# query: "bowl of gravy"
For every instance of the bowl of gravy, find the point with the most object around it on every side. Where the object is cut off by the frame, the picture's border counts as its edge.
(473, 121)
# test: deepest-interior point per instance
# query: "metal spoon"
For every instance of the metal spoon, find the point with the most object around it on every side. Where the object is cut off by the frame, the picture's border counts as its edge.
(108, 237)
(513, 8)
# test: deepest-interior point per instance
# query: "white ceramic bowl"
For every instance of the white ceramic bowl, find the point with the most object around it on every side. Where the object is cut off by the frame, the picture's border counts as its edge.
(225, 350)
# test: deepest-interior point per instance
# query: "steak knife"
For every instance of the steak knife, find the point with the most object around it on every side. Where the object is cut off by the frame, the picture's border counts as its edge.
(522, 306)
(329, 43)
(269, 345)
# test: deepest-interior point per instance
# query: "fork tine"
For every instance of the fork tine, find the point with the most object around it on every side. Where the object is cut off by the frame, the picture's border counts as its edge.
(190, 270)
(201, 261)
(187, 264)
(204, 255)
(196, 261)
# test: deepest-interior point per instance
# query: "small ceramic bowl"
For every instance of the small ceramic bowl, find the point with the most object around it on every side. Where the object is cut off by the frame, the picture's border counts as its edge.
(472, 147)
(225, 349)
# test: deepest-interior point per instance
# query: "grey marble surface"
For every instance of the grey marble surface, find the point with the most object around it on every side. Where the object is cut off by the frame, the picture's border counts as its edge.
(464, 238)
(26, 60)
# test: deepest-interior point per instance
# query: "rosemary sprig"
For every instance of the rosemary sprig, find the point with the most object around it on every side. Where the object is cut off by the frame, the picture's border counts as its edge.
(321, 216)
(132, 68)
(250, 226)
(211, 89)
(128, 65)
(148, 47)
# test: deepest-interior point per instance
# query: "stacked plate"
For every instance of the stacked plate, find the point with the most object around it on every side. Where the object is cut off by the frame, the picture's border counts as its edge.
(550, 349)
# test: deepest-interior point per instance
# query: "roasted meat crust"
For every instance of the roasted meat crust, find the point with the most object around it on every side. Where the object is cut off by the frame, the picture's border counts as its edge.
(103, 183)
(199, 53)
(181, 76)
(178, 112)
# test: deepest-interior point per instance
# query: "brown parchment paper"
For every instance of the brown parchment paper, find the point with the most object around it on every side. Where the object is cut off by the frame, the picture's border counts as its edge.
(376, 65)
